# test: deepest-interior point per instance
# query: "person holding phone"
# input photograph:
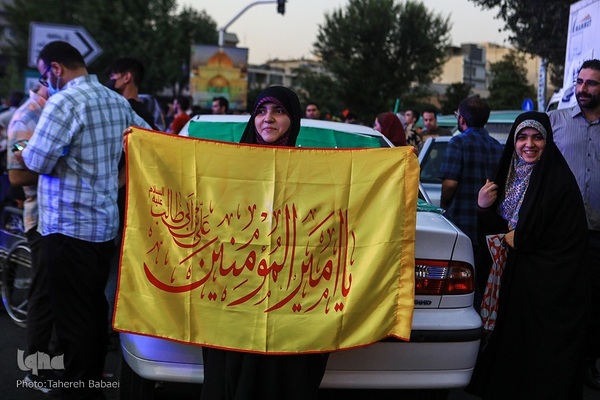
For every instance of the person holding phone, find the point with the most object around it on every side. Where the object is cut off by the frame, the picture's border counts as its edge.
(39, 314)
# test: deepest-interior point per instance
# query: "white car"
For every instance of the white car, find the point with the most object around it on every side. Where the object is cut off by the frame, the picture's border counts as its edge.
(446, 330)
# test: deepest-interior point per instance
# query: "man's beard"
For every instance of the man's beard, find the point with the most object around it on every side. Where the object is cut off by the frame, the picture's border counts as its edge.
(587, 101)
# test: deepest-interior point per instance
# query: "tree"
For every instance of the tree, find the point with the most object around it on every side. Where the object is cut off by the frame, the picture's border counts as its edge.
(375, 50)
(417, 97)
(12, 80)
(319, 88)
(150, 30)
(454, 94)
(509, 85)
(538, 27)
(191, 27)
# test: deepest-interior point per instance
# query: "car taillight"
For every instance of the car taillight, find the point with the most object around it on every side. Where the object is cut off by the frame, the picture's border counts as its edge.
(434, 277)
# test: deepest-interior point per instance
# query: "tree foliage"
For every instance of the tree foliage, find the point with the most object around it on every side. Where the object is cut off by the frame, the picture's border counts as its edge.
(454, 94)
(376, 49)
(537, 26)
(12, 80)
(151, 30)
(509, 86)
(319, 88)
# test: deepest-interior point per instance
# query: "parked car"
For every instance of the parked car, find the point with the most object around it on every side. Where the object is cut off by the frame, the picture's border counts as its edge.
(430, 160)
(561, 98)
(446, 330)
(445, 121)
(500, 122)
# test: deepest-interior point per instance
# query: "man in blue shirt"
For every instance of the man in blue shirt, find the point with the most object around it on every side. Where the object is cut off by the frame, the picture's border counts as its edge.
(470, 159)
(75, 149)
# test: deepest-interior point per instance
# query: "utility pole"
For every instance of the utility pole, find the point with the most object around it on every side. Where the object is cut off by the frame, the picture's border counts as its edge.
(280, 9)
(541, 93)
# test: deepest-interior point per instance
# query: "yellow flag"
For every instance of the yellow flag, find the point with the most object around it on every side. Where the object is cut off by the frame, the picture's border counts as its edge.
(267, 249)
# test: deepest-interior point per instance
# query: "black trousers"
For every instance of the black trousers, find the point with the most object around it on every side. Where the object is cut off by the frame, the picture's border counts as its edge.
(77, 273)
(40, 321)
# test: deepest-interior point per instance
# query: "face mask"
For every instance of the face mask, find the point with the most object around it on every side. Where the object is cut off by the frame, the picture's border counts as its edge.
(51, 89)
(111, 84)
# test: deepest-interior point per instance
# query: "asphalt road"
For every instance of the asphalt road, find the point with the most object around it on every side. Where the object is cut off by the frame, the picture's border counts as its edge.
(12, 338)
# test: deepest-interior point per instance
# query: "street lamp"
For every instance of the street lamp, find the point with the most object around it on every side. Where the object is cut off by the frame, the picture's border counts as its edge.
(280, 9)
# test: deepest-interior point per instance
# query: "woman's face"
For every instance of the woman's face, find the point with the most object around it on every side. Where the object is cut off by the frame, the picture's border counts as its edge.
(271, 122)
(530, 145)
(377, 125)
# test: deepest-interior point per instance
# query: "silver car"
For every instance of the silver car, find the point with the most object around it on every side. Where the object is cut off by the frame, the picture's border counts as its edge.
(430, 160)
(446, 329)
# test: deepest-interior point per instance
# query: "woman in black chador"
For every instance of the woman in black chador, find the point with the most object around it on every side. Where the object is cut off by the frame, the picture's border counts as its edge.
(233, 375)
(536, 348)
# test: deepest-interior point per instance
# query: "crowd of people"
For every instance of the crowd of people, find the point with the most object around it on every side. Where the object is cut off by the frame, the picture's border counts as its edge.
(399, 128)
(540, 191)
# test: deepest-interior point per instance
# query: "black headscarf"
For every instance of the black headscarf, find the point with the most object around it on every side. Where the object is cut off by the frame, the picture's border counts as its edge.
(230, 373)
(285, 98)
(538, 340)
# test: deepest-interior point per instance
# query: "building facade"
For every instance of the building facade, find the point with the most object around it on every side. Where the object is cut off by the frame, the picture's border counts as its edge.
(471, 63)
(279, 72)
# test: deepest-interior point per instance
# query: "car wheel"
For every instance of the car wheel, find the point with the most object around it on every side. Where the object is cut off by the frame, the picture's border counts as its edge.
(132, 386)
(16, 282)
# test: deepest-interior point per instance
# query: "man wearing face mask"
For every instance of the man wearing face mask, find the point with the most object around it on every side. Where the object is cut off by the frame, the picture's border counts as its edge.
(126, 75)
(75, 149)
(40, 321)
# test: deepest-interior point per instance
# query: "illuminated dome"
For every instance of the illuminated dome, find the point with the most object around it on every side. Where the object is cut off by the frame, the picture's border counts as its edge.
(218, 81)
(220, 59)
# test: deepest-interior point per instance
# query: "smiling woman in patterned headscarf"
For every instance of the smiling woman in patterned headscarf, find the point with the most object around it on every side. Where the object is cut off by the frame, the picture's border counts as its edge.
(536, 348)
(529, 142)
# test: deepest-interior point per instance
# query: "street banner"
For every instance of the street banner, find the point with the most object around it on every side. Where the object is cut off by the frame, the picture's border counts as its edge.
(267, 249)
(219, 72)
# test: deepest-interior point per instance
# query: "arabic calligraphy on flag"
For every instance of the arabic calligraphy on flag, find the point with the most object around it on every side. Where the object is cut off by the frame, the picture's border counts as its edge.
(265, 249)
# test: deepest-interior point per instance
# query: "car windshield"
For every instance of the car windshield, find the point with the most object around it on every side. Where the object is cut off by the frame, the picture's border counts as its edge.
(432, 162)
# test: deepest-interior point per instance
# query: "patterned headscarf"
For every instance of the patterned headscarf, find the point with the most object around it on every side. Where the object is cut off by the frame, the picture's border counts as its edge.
(531, 123)
(517, 180)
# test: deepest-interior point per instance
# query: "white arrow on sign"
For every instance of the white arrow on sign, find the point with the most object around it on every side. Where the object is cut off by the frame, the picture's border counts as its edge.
(40, 34)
